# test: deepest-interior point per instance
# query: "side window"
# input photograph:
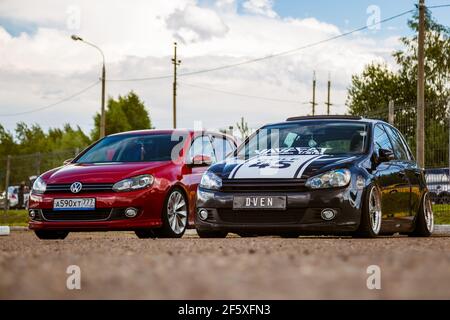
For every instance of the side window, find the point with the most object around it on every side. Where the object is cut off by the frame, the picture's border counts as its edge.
(202, 146)
(229, 147)
(400, 151)
(381, 139)
(219, 145)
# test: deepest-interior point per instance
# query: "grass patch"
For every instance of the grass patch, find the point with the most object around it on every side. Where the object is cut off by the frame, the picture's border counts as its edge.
(441, 213)
(14, 218)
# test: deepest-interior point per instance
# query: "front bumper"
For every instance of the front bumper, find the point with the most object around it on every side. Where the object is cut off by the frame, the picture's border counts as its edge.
(108, 214)
(302, 214)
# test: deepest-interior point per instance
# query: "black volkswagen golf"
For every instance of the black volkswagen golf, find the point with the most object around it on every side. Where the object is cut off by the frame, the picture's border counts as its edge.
(317, 175)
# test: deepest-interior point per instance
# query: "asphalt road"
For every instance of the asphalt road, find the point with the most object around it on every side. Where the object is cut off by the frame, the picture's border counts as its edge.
(120, 266)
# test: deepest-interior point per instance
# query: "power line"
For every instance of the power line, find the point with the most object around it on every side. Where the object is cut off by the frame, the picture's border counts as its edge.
(282, 53)
(52, 104)
(438, 6)
(242, 94)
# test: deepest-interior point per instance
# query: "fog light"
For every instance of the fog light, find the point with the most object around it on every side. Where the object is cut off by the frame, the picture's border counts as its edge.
(328, 214)
(131, 212)
(203, 214)
(32, 214)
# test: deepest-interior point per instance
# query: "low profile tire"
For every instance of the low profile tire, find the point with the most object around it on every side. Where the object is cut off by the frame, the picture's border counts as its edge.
(290, 235)
(424, 224)
(174, 215)
(145, 234)
(370, 224)
(246, 235)
(51, 235)
(212, 234)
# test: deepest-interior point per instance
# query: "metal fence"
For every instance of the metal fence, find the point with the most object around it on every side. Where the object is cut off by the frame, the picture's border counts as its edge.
(437, 141)
(17, 169)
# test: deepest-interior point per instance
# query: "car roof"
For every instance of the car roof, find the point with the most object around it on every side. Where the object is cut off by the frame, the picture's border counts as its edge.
(170, 131)
(344, 118)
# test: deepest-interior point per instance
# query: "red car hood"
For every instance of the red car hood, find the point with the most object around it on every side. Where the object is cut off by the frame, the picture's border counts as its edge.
(101, 172)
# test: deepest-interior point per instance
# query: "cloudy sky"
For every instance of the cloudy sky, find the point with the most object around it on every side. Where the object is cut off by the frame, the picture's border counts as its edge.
(41, 65)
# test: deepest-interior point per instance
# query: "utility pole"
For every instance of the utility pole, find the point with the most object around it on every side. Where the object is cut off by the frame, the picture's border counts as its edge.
(8, 172)
(103, 115)
(175, 63)
(328, 103)
(313, 102)
(102, 111)
(420, 139)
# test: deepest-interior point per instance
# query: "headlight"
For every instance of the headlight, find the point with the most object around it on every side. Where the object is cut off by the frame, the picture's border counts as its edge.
(134, 183)
(331, 179)
(210, 181)
(39, 185)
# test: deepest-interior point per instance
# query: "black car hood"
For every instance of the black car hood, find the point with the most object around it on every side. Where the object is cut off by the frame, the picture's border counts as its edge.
(282, 166)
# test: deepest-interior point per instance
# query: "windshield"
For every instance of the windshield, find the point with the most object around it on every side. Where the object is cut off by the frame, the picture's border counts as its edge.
(339, 137)
(132, 148)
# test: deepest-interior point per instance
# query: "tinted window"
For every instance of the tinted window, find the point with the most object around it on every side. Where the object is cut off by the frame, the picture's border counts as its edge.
(131, 148)
(400, 149)
(202, 146)
(336, 137)
(381, 139)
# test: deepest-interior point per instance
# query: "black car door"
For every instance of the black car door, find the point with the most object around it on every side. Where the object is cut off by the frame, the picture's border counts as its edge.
(393, 183)
(412, 171)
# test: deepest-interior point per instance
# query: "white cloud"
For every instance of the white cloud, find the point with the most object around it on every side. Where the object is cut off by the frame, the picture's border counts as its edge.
(261, 7)
(136, 36)
(194, 24)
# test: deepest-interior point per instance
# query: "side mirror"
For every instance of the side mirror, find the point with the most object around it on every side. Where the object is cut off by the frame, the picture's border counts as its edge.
(200, 160)
(67, 161)
(385, 155)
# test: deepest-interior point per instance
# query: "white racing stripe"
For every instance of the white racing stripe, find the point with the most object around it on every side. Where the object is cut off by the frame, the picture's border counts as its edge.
(273, 166)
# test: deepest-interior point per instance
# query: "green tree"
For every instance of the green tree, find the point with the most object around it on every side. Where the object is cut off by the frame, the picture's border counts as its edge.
(124, 114)
(370, 91)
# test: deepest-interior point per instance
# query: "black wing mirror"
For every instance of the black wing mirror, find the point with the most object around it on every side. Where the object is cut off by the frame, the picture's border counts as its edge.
(385, 155)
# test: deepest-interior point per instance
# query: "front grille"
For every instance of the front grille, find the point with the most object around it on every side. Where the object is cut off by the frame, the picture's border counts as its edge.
(289, 216)
(87, 187)
(263, 185)
(77, 215)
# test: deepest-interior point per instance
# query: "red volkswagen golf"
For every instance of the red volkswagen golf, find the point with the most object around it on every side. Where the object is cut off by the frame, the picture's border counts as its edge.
(144, 181)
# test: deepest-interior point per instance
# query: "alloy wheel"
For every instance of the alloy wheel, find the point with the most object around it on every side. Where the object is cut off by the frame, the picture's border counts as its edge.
(375, 210)
(428, 213)
(177, 212)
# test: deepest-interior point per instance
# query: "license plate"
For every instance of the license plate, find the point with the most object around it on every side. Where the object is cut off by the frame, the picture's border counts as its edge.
(74, 204)
(259, 202)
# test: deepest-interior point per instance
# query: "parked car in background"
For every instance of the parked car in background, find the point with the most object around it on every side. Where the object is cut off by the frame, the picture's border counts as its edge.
(317, 175)
(438, 183)
(144, 181)
(13, 198)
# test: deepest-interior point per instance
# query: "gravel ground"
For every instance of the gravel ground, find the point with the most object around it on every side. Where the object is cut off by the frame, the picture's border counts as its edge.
(120, 266)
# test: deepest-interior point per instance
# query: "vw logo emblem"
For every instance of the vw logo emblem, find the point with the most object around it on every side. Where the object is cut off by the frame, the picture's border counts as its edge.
(76, 187)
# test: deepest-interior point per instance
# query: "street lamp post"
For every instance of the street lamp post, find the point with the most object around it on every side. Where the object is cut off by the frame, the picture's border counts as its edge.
(102, 113)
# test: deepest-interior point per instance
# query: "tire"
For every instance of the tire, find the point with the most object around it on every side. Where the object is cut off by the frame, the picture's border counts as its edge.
(424, 224)
(212, 234)
(246, 235)
(174, 215)
(290, 235)
(371, 216)
(145, 234)
(51, 234)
